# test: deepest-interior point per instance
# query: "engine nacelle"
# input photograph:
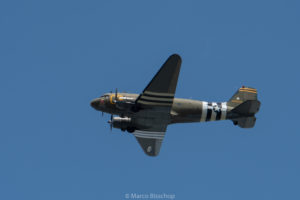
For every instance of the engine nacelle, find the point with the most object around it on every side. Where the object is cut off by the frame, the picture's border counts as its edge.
(121, 122)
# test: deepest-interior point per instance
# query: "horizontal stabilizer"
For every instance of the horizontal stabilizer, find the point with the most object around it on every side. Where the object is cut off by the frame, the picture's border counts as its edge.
(246, 122)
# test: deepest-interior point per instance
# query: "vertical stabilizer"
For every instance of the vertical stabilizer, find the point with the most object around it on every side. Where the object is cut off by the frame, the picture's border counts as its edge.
(242, 95)
(244, 105)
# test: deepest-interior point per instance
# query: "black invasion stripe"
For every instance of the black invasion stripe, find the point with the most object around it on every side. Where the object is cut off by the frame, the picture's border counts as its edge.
(158, 96)
(218, 117)
(156, 101)
(208, 116)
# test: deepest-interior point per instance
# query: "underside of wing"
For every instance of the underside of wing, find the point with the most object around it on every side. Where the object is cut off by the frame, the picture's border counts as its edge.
(151, 139)
(150, 145)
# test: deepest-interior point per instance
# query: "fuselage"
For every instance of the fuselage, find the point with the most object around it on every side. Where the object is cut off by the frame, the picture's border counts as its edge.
(182, 111)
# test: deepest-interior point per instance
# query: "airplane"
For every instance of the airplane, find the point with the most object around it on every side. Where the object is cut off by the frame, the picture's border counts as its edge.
(148, 114)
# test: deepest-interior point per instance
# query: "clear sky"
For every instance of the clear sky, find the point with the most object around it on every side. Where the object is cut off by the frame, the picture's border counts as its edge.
(56, 56)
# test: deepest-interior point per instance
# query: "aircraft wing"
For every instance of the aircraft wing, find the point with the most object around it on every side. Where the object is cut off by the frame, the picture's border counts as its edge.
(161, 89)
(156, 102)
(151, 140)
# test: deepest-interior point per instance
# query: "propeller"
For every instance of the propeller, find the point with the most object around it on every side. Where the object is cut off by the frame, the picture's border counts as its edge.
(116, 96)
(110, 122)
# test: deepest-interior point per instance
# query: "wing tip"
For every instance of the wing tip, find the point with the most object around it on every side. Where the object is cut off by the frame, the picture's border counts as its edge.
(151, 154)
(175, 56)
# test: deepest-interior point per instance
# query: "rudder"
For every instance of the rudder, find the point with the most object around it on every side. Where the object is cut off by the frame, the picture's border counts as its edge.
(243, 106)
(249, 107)
(242, 95)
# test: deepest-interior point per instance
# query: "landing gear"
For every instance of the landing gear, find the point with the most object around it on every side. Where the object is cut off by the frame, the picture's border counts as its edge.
(130, 129)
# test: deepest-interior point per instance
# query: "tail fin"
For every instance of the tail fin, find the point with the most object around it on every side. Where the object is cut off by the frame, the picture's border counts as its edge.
(249, 107)
(244, 105)
(242, 95)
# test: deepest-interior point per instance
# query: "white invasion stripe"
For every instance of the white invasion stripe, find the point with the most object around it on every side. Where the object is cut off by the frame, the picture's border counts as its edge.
(213, 113)
(204, 111)
(151, 135)
(159, 93)
(148, 136)
(224, 110)
(154, 132)
(161, 99)
(155, 103)
(159, 135)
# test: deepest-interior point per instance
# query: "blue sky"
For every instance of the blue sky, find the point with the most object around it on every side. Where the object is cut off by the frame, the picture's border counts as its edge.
(56, 56)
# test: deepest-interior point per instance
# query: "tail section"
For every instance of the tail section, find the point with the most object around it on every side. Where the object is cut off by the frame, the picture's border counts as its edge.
(245, 122)
(242, 95)
(249, 107)
(244, 105)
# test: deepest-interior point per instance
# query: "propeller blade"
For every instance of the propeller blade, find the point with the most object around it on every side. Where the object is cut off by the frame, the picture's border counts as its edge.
(111, 122)
(116, 95)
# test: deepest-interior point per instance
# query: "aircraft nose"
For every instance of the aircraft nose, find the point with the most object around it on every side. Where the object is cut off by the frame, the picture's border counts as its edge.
(95, 103)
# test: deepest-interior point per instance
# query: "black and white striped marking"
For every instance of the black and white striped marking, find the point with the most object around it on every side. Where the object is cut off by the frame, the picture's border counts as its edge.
(149, 134)
(155, 98)
(212, 111)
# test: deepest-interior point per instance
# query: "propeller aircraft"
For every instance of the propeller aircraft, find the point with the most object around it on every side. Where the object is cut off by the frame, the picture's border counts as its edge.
(147, 115)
